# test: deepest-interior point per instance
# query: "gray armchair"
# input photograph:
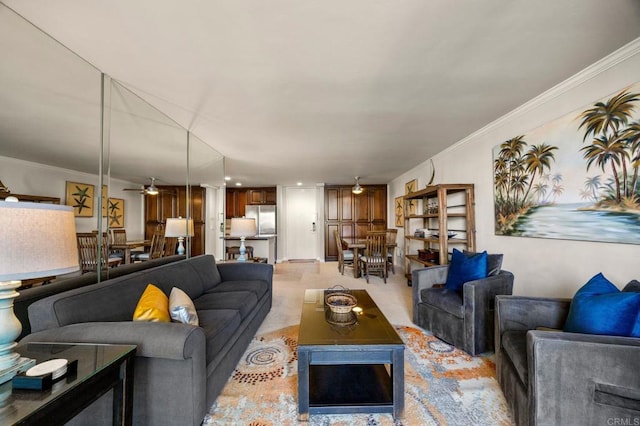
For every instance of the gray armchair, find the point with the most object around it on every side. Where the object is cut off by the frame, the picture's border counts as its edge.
(552, 377)
(464, 320)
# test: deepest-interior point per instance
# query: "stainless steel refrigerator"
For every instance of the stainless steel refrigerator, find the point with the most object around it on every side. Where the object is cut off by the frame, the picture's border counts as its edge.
(265, 217)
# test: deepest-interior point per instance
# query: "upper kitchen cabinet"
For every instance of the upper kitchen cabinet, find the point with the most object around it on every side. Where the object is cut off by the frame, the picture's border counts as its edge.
(259, 196)
(238, 198)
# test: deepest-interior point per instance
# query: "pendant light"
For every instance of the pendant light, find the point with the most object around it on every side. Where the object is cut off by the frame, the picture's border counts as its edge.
(357, 189)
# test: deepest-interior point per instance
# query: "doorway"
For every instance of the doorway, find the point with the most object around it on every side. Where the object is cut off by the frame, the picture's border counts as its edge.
(301, 223)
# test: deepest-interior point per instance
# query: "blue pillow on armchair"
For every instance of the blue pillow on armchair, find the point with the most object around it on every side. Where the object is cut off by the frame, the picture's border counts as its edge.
(599, 307)
(464, 268)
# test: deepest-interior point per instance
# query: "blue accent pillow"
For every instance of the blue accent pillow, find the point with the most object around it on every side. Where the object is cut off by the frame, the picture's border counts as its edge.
(464, 268)
(598, 307)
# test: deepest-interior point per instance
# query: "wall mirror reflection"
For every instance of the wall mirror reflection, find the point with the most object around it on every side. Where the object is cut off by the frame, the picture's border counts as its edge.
(53, 145)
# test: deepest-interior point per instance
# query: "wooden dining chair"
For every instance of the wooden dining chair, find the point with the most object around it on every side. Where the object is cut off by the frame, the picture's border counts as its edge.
(88, 252)
(392, 242)
(156, 250)
(374, 259)
(345, 257)
(170, 246)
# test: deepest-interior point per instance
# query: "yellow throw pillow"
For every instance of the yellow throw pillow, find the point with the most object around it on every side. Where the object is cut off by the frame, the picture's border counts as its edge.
(181, 307)
(152, 306)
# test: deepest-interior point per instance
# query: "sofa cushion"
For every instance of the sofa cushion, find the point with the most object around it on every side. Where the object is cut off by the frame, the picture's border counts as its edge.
(257, 287)
(633, 285)
(514, 346)
(465, 268)
(220, 326)
(446, 300)
(242, 301)
(598, 307)
(153, 305)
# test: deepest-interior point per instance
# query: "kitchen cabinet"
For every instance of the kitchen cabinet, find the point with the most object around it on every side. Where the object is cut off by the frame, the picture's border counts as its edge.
(435, 219)
(260, 196)
(171, 201)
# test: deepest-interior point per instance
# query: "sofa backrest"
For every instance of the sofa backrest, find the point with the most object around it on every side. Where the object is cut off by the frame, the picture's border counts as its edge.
(116, 298)
(31, 295)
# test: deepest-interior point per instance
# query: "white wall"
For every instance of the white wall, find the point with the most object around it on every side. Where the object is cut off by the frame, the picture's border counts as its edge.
(24, 177)
(542, 267)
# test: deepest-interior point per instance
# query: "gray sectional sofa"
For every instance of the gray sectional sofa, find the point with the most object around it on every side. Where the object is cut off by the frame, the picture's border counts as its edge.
(180, 369)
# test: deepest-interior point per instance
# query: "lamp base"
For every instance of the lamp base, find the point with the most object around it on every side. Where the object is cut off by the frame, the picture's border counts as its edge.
(180, 246)
(243, 250)
(22, 365)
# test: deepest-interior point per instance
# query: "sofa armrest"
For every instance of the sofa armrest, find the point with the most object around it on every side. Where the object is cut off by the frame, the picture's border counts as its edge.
(425, 278)
(246, 271)
(153, 339)
(582, 379)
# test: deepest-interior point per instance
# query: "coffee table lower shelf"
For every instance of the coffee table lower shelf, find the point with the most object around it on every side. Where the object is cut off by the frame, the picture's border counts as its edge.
(342, 389)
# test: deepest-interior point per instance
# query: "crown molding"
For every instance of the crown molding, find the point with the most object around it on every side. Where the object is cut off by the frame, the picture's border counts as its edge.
(624, 53)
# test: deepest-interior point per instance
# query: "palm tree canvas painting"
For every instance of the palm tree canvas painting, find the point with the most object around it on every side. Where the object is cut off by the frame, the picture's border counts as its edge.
(574, 178)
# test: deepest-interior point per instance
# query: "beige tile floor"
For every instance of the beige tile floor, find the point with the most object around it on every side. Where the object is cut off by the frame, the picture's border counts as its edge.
(291, 279)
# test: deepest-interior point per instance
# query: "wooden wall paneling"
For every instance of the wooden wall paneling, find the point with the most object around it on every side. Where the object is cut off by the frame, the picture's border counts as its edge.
(353, 215)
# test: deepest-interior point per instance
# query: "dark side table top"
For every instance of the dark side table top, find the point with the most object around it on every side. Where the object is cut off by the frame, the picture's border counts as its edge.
(99, 366)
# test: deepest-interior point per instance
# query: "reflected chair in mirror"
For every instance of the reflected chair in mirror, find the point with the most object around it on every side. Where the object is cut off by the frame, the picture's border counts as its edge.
(170, 246)
(155, 251)
(374, 259)
(345, 256)
(392, 243)
(88, 253)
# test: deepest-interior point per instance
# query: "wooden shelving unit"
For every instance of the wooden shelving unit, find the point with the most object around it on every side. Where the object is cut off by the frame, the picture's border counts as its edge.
(438, 210)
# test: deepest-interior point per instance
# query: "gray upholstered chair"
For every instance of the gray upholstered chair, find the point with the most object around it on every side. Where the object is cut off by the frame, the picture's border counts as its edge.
(554, 377)
(464, 320)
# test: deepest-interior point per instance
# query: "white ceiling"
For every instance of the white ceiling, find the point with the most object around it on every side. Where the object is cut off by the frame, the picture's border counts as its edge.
(322, 91)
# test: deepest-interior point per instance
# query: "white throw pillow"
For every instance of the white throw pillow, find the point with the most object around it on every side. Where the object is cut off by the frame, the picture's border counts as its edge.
(181, 307)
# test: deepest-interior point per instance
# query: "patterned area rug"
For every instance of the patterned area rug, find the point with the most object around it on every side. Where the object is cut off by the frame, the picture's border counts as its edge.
(443, 386)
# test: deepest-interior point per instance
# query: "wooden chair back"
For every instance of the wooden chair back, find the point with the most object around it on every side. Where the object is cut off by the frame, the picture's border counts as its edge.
(392, 242)
(375, 255)
(170, 246)
(119, 236)
(157, 245)
(88, 252)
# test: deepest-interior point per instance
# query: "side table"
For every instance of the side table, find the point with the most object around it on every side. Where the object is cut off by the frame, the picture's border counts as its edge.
(100, 368)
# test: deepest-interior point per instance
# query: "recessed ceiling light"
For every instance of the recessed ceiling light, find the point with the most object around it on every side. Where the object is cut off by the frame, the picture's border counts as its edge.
(299, 183)
(238, 183)
(227, 178)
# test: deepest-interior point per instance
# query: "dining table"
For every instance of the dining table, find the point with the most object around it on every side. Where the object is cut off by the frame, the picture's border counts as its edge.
(360, 244)
(126, 247)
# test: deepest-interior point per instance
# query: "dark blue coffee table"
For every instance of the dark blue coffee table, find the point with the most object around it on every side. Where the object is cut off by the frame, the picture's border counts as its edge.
(348, 363)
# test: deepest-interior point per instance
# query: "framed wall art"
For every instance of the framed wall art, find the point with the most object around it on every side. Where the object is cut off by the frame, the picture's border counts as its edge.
(115, 216)
(412, 205)
(575, 178)
(80, 196)
(399, 208)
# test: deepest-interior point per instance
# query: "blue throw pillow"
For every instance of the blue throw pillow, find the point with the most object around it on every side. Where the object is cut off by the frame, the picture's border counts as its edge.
(598, 307)
(464, 268)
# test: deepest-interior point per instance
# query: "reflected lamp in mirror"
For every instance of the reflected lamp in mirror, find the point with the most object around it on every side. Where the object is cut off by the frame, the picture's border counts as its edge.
(179, 227)
(242, 227)
(38, 240)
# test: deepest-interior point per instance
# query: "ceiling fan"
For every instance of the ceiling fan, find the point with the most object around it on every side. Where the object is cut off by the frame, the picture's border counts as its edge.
(149, 190)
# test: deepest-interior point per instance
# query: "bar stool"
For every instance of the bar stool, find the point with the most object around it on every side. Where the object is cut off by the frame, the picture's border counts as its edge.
(234, 251)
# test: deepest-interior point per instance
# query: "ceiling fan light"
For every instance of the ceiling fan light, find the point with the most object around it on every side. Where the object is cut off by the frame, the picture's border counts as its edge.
(152, 190)
(357, 189)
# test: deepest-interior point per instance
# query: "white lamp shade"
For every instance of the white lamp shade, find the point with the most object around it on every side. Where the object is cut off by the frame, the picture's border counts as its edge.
(242, 227)
(179, 227)
(36, 240)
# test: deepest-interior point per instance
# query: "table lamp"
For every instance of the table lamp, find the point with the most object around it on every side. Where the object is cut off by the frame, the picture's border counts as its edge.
(38, 240)
(242, 227)
(179, 227)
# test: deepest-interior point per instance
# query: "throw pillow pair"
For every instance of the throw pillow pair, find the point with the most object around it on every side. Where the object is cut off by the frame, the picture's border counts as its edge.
(465, 267)
(598, 307)
(155, 306)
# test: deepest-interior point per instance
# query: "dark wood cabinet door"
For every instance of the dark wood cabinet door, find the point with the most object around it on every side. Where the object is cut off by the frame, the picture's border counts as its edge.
(255, 196)
(270, 196)
(353, 215)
